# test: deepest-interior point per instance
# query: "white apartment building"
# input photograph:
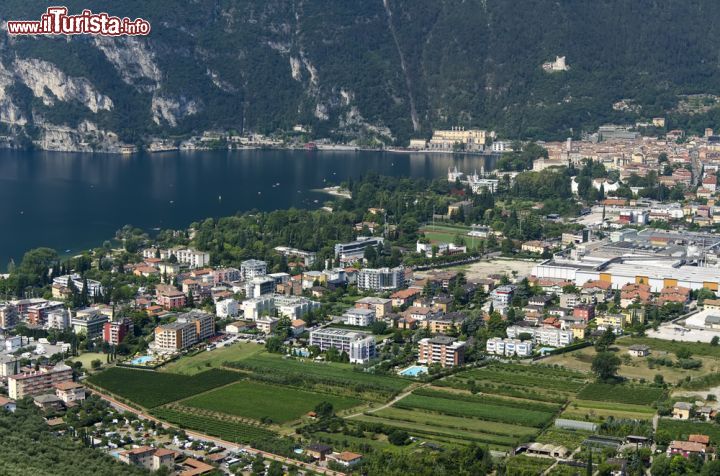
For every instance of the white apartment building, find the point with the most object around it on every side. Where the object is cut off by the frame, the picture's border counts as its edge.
(294, 307)
(509, 347)
(359, 346)
(252, 268)
(192, 258)
(381, 279)
(259, 286)
(226, 308)
(256, 307)
(546, 335)
(58, 319)
(502, 295)
(359, 317)
(94, 287)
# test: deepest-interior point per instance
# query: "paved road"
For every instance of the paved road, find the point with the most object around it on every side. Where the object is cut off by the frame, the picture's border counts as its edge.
(227, 444)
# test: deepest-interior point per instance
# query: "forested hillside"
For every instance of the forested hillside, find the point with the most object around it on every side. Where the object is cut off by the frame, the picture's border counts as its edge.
(390, 69)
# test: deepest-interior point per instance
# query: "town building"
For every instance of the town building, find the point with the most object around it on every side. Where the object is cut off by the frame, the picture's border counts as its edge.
(58, 319)
(37, 382)
(355, 250)
(638, 350)
(94, 287)
(442, 350)
(169, 297)
(149, 458)
(89, 321)
(358, 345)
(252, 268)
(470, 139)
(381, 306)
(259, 286)
(267, 325)
(259, 306)
(294, 307)
(509, 347)
(175, 336)
(359, 317)
(114, 332)
(204, 323)
(381, 279)
(682, 410)
(226, 308)
(8, 316)
(70, 392)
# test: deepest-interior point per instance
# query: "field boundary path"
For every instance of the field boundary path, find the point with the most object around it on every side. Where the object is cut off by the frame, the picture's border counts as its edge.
(227, 444)
(388, 404)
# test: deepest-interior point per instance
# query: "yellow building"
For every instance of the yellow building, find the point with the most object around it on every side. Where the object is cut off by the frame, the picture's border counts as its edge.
(579, 331)
(446, 139)
(634, 314)
(658, 121)
(610, 320)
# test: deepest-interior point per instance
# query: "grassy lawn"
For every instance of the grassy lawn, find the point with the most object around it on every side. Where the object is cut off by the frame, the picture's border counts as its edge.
(88, 357)
(697, 348)
(258, 400)
(151, 389)
(638, 368)
(213, 359)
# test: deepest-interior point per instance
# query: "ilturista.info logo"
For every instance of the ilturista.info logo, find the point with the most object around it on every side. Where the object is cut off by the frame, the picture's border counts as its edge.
(56, 21)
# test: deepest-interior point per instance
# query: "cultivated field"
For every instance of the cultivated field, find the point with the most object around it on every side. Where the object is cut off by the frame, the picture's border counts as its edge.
(262, 401)
(326, 376)
(511, 410)
(151, 389)
(230, 431)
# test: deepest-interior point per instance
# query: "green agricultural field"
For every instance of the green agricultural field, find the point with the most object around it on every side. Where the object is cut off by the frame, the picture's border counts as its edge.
(214, 359)
(491, 400)
(680, 430)
(527, 378)
(452, 435)
(498, 413)
(447, 421)
(258, 400)
(636, 395)
(327, 373)
(522, 465)
(570, 439)
(230, 431)
(151, 389)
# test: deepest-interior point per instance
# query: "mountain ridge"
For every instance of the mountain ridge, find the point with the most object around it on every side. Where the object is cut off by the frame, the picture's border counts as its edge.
(380, 70)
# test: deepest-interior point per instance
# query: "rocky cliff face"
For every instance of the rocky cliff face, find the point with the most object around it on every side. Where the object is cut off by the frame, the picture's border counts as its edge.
(371, 71)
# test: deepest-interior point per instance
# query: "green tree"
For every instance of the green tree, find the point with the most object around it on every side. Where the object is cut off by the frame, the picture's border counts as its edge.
(605, 365)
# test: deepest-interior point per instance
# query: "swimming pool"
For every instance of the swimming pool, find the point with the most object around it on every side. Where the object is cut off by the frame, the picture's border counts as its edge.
(141, 360)
(414, 371)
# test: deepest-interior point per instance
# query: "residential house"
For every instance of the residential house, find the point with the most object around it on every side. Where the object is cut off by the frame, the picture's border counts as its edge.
(70, 392)
(682, 410)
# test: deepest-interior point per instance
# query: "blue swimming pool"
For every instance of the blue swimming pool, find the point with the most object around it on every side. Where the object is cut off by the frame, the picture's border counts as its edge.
(414, 371)
(141, 360)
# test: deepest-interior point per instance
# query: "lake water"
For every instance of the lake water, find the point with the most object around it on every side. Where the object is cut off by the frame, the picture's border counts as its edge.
(71, 201)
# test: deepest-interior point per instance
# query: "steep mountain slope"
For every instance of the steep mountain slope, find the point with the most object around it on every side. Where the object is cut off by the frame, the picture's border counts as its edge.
(390, 69)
